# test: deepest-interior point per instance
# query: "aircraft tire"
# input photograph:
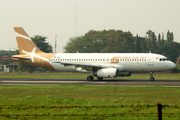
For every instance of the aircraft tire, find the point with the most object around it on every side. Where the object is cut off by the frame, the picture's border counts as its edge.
(90, 78)
(152, 79)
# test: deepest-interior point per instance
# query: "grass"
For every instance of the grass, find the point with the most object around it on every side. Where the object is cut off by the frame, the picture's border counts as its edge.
(23, 101)
(83, 75)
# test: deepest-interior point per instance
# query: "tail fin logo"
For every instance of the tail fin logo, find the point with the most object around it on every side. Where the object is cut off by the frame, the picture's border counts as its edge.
(32, 53)
(23, 36)
(25, 43)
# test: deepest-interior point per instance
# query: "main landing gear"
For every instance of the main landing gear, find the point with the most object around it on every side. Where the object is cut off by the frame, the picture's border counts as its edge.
(152, 78)
(91, 78)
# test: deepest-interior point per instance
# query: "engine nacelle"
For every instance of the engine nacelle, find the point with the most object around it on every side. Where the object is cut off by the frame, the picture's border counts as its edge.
(123, 74)
(106, 73)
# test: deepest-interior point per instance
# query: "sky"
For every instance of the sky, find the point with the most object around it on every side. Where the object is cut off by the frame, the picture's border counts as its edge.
(58, 17)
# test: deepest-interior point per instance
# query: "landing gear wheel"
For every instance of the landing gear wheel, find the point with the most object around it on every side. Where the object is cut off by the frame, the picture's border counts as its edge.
(152, 78)
(90, 78)
(99, 78)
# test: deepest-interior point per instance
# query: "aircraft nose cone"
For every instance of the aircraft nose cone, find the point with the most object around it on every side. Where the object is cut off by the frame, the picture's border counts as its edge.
(172, 65)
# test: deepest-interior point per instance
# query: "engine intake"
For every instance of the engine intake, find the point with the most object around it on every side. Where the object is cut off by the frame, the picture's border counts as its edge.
(106, 73)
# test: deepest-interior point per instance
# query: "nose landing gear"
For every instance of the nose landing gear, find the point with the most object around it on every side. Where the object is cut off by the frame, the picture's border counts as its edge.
(152, 78)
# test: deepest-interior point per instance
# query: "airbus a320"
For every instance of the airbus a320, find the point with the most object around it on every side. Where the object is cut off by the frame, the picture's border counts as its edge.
(100, 65)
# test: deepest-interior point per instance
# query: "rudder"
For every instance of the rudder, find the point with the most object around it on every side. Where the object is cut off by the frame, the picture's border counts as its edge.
(25, 44)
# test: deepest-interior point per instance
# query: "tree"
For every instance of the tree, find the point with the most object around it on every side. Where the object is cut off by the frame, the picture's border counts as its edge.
(75, 44)
(137, 44)
(151, 41)
(117, 41)
(170, 36)
(159, 40)
(41, 43)
(170, 51)
(143, 45)
(111, 41)
(162, 39)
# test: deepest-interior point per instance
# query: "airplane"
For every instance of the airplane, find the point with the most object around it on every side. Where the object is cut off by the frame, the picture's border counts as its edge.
(100, 65)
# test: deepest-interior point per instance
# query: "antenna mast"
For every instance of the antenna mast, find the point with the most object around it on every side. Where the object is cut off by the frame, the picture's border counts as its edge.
(55, 43)
(76, 19)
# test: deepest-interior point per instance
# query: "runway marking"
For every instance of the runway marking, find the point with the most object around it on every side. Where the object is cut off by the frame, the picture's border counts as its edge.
(50, 81)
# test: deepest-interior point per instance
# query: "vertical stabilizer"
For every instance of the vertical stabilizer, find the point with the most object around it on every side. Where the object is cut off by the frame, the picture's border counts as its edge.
(25, 43)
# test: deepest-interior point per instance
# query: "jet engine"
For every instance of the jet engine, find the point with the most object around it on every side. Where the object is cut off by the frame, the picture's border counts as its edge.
(106, 73)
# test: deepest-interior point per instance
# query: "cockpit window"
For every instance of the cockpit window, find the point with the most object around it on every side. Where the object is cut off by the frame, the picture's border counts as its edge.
(163, 59)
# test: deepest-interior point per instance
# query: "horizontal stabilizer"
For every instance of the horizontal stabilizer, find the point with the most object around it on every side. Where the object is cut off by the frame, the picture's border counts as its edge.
(25, 58)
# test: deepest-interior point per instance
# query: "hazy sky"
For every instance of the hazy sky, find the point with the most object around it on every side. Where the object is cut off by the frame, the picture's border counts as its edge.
(50, 17)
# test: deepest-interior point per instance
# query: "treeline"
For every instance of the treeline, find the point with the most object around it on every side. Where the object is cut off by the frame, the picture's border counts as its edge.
(6, 53)
(117, 41)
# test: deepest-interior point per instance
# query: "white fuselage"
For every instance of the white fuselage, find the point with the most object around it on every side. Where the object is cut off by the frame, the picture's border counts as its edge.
(128, 62)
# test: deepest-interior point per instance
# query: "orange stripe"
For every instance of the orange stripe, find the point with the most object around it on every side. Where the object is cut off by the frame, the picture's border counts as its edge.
(26, 45)
(20, 31)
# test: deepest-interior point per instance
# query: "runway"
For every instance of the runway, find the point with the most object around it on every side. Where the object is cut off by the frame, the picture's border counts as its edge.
(116, 82)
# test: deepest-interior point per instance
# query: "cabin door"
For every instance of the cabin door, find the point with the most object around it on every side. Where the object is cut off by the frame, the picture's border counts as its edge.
(150, 60)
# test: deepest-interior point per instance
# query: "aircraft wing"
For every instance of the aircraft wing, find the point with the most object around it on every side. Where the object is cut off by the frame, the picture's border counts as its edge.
(90, 67)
